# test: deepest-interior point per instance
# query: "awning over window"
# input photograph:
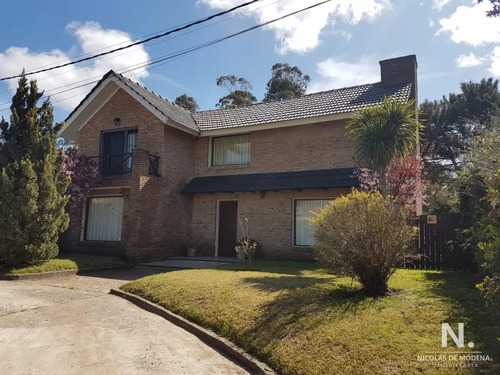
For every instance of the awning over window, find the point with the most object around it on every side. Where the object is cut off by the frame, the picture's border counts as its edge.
(297, 180)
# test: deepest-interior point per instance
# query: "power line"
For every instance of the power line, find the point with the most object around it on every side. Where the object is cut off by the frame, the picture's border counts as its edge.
(175, 55)
(470, 68)
(135, 43)
(128, 52)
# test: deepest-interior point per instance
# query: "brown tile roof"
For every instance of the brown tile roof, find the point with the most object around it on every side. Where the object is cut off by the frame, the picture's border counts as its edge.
(319, 104)
(168, 108)
(324, 103)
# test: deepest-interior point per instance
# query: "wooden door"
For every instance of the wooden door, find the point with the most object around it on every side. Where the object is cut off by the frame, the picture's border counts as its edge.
(228, 224)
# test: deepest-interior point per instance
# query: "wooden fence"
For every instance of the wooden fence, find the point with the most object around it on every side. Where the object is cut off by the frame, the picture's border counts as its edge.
(437, 248)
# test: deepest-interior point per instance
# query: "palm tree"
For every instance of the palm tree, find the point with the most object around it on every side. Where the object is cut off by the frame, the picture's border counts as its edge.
(383, 132)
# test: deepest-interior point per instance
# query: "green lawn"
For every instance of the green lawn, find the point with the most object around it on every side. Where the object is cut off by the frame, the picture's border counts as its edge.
(301, 320)
(71, 262)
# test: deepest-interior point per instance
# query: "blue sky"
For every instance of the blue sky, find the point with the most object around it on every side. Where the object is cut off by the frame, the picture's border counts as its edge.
(338, 44)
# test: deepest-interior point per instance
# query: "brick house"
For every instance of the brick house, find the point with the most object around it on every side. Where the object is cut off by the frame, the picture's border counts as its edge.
(172, 177)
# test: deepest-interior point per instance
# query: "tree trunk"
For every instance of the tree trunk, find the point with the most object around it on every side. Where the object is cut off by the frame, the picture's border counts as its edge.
(383, 182)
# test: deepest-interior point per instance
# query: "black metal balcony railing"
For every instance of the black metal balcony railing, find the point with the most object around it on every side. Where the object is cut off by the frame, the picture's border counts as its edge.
(116, 164)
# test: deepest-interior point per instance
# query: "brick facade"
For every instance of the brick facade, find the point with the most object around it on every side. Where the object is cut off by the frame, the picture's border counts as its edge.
(314, 146)
(270, 218)
(156, 217)
(159, 221)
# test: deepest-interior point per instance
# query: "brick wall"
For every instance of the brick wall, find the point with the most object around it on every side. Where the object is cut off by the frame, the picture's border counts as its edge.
(157, 218)
(270, 219)
(315, 146)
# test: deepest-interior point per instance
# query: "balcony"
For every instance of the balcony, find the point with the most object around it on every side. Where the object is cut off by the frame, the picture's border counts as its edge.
(119, 164)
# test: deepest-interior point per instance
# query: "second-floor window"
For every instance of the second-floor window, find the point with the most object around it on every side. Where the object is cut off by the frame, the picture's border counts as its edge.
(116, 151)
(232, 150)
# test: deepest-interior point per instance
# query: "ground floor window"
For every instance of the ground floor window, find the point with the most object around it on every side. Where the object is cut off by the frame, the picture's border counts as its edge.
(104, 219)
(304, 212)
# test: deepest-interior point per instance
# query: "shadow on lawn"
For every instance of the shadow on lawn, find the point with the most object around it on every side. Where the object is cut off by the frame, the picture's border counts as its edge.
(480, 325)
(288, 267)
(274, 284)
(306, 303)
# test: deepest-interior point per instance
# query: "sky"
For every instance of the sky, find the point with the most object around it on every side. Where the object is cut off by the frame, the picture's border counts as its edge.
(337, 44)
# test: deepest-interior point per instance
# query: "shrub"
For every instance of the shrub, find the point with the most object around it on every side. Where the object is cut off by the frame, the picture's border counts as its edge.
(365, 236)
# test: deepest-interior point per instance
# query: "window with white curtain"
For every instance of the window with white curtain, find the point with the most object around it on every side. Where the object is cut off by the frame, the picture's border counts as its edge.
(304, 212)
(232, 150)
(104, 219)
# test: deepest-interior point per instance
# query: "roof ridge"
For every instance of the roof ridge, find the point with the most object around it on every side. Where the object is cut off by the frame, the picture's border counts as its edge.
(290, 99)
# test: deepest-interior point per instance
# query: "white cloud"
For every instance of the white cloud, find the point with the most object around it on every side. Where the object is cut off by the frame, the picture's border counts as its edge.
(467, 61)
(439, 4)
(495, 62)
(469, 24)
(337, 74)
(301, 33)
(92, 38)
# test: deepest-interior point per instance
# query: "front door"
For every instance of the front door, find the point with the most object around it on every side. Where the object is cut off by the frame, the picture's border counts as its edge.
(228, 224)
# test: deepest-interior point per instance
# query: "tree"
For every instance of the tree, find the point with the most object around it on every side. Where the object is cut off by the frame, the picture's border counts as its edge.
(32, 200)
(383, 132)
(239, 92)
(286, 82)
(406, 180)
(365, 236)
(187, 102)
(454, 122)
(480, 207)
(495, 8)
(84, 174)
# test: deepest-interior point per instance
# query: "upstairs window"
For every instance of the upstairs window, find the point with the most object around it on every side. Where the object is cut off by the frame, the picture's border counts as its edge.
(232, 150)
(116, 151)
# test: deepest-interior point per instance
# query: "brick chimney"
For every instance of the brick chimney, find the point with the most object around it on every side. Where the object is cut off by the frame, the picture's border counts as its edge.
(400, 70)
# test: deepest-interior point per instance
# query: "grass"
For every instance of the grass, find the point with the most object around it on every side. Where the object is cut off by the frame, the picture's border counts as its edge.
(301, 320)
(70, 262)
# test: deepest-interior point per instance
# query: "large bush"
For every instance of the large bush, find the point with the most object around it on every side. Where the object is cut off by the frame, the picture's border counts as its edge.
(480, 208)
(366, 236)
(32, 189)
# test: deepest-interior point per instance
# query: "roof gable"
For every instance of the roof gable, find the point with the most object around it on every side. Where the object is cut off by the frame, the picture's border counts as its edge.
(168, 112)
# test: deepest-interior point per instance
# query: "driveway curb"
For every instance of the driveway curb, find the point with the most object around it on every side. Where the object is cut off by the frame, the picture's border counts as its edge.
(43, 275)
(210, 338)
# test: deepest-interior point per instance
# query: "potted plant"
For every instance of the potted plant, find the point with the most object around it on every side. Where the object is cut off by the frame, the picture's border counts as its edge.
(191, 248)
(246, 247)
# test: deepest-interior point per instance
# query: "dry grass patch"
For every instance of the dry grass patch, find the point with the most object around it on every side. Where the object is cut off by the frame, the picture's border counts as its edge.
(301, 320)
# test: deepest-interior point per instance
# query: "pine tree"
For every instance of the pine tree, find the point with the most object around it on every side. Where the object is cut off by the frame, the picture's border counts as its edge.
(32, 186)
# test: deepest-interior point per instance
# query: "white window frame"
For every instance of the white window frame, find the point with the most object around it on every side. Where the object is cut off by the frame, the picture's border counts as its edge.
(294, 216)
(211, 150)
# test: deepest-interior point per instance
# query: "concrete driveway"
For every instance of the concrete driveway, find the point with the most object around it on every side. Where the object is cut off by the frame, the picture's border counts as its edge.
(70, 325)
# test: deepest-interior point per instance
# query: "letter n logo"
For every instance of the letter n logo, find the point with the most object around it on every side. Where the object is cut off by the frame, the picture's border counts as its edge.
(446, 330)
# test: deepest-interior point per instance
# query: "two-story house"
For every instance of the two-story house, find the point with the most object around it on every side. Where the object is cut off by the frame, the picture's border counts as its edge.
(171, 176)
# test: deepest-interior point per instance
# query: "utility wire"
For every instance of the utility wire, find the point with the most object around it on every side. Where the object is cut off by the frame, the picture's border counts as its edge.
(128, 52)
(175, 55)
(136, 43)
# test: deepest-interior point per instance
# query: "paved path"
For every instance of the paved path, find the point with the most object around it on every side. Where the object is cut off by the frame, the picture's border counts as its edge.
(70, 325)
